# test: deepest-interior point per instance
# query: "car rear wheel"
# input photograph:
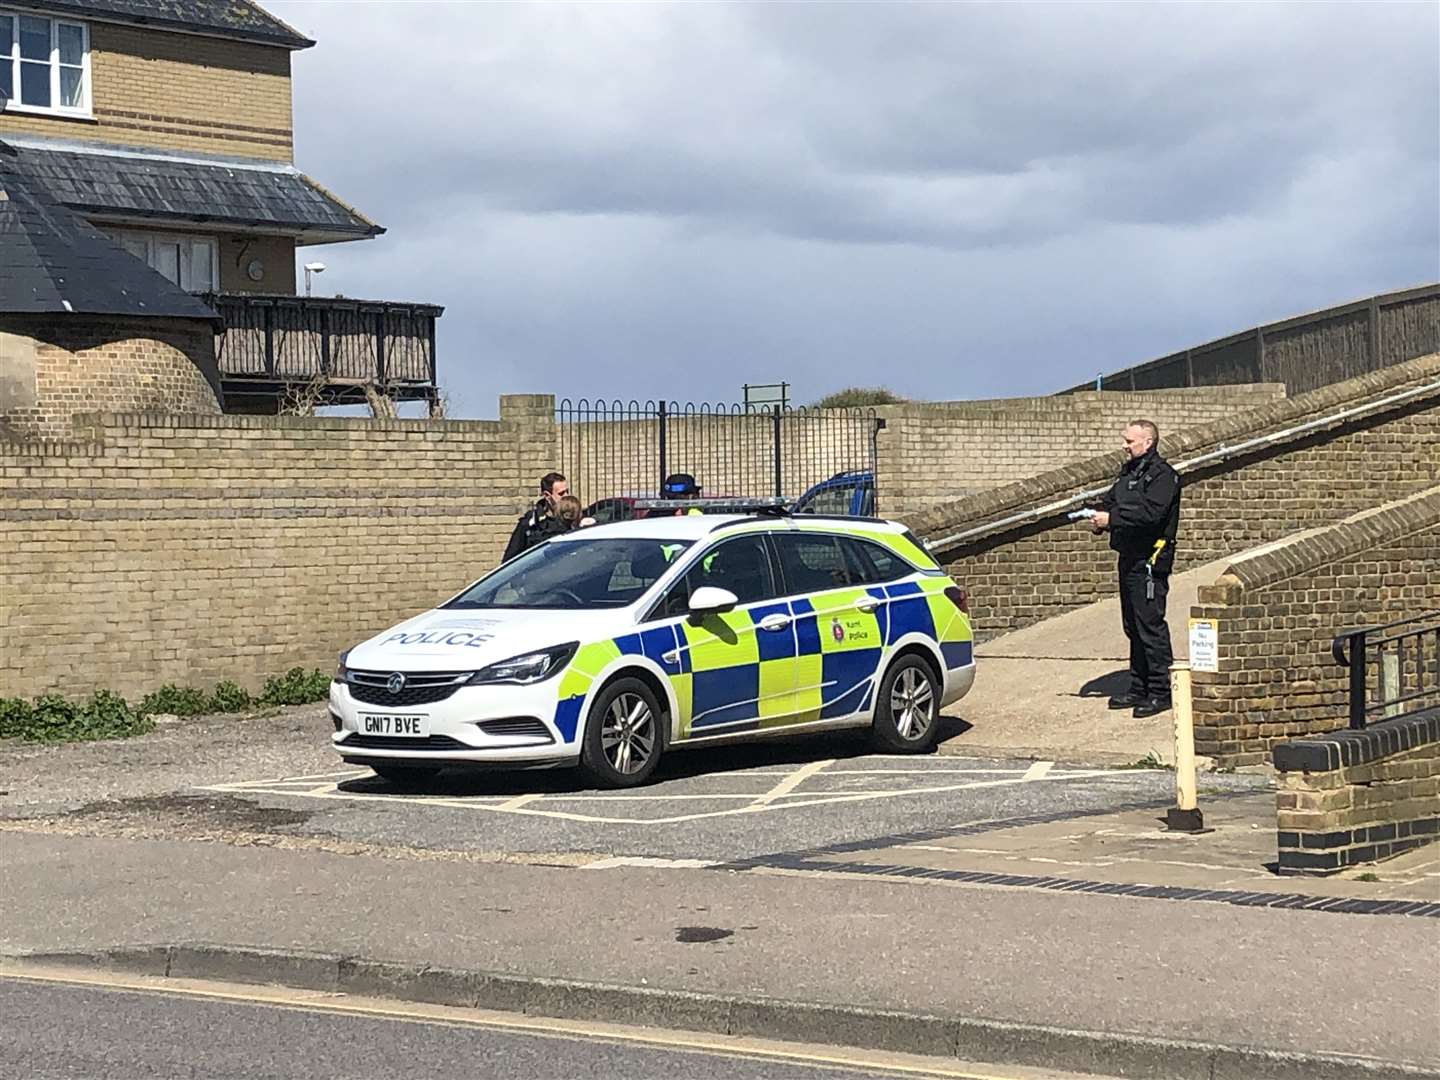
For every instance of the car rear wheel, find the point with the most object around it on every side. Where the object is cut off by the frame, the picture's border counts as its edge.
(623, 736)
(907, 708)
(406, 776)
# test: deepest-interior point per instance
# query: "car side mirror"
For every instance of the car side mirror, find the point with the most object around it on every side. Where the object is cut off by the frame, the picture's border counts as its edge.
(708, 600)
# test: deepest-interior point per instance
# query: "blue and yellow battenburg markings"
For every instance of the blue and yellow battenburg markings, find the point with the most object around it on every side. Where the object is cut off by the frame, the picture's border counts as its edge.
(728, 675)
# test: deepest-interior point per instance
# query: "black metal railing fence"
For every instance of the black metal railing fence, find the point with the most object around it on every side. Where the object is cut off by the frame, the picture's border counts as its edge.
(613, 449)
(1394, 669)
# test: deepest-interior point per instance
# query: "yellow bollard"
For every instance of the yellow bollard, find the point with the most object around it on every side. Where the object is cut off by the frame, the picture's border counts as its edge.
(1185, 815)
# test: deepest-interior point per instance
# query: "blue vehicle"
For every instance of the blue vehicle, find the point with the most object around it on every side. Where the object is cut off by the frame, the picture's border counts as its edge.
(847, 494)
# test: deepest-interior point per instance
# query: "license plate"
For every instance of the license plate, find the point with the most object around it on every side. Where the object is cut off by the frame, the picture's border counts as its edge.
(410, 726)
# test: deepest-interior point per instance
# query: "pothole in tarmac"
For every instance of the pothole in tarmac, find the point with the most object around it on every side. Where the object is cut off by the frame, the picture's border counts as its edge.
(192, 812)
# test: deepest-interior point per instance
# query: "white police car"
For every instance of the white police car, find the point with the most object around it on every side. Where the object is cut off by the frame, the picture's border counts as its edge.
(609, 646)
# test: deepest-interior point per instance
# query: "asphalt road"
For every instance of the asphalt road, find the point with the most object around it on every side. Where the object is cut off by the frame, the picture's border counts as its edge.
(53, 1031)
(275, 776)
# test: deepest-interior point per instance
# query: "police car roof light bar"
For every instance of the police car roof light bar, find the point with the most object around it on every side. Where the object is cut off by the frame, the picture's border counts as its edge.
(735, 504)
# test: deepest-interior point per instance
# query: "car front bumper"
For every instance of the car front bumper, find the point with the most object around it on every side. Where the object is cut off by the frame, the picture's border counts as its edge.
(496, 724)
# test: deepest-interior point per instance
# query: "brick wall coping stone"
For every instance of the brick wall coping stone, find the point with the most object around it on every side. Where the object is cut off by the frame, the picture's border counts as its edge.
(1382, 739)
(1314, 548)
(1101, 468)
(1054, 402)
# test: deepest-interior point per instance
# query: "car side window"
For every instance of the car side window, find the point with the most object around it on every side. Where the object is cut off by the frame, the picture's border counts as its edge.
(812, 562)
(872, 564)
(741, 565)
(833, 501)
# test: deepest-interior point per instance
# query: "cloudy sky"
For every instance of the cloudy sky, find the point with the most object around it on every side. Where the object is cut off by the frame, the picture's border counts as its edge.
(953, 200)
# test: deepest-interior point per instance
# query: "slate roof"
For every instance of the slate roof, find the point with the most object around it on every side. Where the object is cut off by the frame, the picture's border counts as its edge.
(278, 199)
(225, 18)
(53, 261)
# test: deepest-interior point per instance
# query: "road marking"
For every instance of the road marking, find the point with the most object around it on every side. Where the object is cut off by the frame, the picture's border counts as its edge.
(280, 997)
(785, 795)
(1039, 770)
(649, 862)
(519, 801)
(791, 782)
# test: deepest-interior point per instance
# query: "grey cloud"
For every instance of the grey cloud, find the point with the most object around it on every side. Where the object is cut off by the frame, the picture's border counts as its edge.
(970, 199)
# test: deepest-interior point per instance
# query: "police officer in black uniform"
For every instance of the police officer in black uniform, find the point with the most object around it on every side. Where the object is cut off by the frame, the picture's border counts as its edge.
(540, 522)
(1142, 514)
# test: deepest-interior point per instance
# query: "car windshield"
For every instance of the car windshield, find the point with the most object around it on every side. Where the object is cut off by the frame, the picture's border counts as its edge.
(577, 574)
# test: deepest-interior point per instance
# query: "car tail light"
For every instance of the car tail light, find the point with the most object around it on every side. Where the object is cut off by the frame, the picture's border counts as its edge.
(957, 596)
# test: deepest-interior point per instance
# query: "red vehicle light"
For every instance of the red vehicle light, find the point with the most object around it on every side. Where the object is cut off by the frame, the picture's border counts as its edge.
(957, 596)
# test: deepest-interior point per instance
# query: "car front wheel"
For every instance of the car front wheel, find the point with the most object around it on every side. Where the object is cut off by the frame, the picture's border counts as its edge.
(907, 709)
(623, 736)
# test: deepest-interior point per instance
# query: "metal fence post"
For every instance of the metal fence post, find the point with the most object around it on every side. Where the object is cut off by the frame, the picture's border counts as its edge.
(775, 416)
(269, 339)
(661, 415)
(380, 347)
(325, 341)
(1357, 680)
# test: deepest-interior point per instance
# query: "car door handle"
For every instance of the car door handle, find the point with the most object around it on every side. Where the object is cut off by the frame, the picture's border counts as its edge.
(867, 603)
(671, 657)
(775, 622)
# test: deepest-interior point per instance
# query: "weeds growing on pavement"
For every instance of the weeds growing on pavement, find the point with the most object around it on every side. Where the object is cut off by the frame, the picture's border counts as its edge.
(1151, 760)
(106, 715)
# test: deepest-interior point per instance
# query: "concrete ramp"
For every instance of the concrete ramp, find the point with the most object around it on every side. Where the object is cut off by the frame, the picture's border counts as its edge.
(1041, 691)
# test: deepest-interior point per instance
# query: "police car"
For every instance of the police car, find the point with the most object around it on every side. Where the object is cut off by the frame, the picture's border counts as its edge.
(612, 645)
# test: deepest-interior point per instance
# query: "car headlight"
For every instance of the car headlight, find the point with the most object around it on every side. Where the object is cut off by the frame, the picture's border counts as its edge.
(532, 667)
(342, 673)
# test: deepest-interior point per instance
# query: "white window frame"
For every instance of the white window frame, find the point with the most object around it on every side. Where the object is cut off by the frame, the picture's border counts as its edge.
(151, 239)
(85, 109)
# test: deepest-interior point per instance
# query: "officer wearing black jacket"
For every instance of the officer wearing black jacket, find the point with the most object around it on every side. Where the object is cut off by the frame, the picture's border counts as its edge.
(540, 522)
(1142, 514)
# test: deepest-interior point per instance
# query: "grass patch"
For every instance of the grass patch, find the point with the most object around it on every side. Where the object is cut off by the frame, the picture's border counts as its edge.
(50, 718)
(1367, 876)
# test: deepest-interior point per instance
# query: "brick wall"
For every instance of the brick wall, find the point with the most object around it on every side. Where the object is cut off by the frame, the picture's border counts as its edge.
(178, 91)
(1359, 796)
(191, 549)
(1023, 561)
(1279, 609)
(53, 367)
(931, 453)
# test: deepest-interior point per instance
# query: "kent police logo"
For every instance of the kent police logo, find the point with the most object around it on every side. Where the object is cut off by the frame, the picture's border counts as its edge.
(395, 683)
(836, 630)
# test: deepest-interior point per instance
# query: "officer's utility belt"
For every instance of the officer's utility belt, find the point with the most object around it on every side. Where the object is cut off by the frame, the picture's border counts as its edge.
(1150, 569)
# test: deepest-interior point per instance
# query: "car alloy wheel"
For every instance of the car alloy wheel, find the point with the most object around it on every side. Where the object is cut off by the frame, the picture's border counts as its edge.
(627, 734)
(912, 704)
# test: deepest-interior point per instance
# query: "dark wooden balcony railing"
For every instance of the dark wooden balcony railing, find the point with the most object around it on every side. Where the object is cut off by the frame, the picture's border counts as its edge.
(271, 343)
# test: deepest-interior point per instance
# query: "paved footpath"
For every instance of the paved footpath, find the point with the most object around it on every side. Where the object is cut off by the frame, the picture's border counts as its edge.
(1284, 980)
(1019, 912)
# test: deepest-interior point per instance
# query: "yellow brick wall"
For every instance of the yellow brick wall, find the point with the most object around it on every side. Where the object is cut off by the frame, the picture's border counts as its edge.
(190, 549)
(181, 92)
(52, 368)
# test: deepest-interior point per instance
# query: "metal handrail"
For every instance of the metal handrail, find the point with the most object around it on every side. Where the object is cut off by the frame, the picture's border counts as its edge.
(1353, 649)
(1221, 453)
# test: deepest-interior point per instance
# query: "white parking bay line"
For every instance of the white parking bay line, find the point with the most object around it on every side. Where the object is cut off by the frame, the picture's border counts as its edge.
(1038, 770)
(648, 861)
(790, 783)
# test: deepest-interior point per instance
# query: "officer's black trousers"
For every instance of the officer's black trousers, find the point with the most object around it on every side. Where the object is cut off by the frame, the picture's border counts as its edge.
(1144, 618)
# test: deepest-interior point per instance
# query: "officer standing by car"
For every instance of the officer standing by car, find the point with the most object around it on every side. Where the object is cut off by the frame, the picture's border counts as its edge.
(540, 522)
(1141, 511)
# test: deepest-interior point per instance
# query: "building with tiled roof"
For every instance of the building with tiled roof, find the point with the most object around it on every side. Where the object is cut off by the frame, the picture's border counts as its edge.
(167, 126)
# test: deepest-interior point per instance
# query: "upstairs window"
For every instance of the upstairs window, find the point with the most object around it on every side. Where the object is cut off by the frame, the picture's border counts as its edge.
(45, 64)
(188, 261)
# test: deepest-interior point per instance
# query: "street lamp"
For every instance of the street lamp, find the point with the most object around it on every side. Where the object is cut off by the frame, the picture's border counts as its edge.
(312, 268)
